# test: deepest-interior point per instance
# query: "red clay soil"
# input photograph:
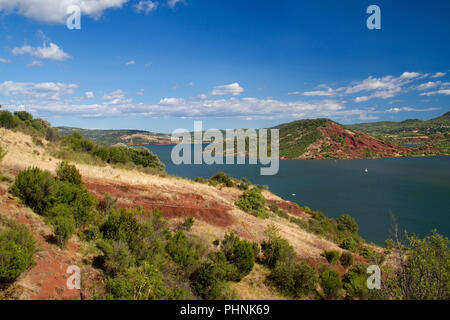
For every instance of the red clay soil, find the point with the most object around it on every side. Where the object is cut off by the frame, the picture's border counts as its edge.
(47, 276)
(355, 145)
(173, 205)
(290, 207)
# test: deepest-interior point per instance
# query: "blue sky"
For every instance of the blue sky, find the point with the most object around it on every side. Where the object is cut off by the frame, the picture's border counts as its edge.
(159, 65)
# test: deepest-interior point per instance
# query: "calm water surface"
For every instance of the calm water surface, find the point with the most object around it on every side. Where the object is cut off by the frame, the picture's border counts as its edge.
(414, 190)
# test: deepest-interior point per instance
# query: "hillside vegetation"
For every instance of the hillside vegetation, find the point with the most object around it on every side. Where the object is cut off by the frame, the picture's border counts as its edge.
(432, 133)
(139, 234)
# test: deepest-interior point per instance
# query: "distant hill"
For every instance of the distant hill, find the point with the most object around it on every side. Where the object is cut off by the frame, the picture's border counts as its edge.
(110, 137)
(324, 138)
(434, 132)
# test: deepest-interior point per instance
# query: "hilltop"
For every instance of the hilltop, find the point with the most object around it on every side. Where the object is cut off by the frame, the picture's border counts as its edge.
(433, 133)
(324, 138)
(111, 137)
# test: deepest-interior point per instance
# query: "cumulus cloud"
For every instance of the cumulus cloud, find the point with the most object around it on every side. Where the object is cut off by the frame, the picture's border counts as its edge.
(116, 97)
(55, 11)
(234, 89)
(428, 85)
(130, 63)
(439, 74)
(146, 6)
(3, 60)
(47, 52)
(42, 90)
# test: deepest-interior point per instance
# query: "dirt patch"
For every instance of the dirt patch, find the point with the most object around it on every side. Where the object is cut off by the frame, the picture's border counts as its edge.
(173, 205)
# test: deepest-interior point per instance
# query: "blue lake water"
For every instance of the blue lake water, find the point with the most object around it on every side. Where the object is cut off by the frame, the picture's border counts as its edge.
(414, 190)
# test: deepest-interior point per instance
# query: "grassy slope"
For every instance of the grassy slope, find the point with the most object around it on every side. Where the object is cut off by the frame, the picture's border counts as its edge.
(23, 153)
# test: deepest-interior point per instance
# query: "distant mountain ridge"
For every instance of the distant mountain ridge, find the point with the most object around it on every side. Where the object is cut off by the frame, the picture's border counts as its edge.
(433, 133)
(111, 136)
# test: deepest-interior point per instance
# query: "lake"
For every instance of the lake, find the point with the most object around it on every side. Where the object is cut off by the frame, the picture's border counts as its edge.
(416, 191)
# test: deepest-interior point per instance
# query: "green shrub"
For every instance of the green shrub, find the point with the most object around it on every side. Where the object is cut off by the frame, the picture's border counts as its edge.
(222, 178)
(64, 227)
(188, 223)
(240, 253)
(332, 256)
(348, 244)
(346, 222)
(253, 202)
(107, 204)
(121, 225)
(69, 173)
(355, 282)
(276, 249)
(141, 156)
(23, 115)
(34, 187)
(294, 279)
(330, 281)
(181, 251)
(389, 244)
(17, 247)
(346, 259)
(51, 135)
(207, 281)
(7, 120)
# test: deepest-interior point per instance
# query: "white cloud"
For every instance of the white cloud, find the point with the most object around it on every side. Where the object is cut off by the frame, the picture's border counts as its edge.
(327, 93)
(395, 110)
(146, 6)
(89, 95)
(409, 75)
(428, 85)
(173, 3)
(234, 89)
(35, 64)
(440, 91)
(130, 63)
(55, 11)
(439, 74)
(3, 60)
(32, 91)
(51, 52)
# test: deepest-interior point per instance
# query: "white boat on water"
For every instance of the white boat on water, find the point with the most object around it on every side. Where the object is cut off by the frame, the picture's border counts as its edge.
(366, 170)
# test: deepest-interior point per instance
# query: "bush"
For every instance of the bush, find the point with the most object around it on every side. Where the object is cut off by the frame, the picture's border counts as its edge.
(34, 187)
(240, 253)
(348, 244)
(355, 283)
(51, 135)
(346, 222)
(330, 282)
(23, 115)
(69, 173)
(294, 279)
(181, 251)
(221, 177)
(121, 225)
(143, 157)
(188, 223)
(332, 256)
(207, 281)
(253, 202)
(63, 224)
(346, 259)
(7, 120)
(276, 249)
(17, 247)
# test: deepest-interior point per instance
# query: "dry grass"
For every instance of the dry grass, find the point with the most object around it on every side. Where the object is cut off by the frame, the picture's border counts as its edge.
(23, 153)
